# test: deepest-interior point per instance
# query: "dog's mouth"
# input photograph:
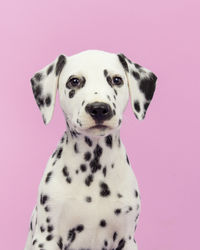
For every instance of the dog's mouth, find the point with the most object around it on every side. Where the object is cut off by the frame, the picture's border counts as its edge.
(99, 127)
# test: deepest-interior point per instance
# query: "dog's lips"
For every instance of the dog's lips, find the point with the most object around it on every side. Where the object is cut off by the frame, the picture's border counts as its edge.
(99, 126)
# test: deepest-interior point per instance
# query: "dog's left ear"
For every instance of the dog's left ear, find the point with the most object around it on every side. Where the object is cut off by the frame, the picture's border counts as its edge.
(44, 85)
(142, 84)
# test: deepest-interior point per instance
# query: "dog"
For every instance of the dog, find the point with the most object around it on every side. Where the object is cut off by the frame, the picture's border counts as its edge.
(88, 198)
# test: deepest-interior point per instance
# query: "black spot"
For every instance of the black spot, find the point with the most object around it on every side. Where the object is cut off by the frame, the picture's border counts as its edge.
(83, 103)
(71, 93)
(41, 245)
(31, 226)
(49, 70)
(123, 61)
(115, 91)
(89, 180)
(77, 171)
(48, 220)
(48, 100)
(49, 237)
(95, 93)
(98, 151)
(121, 244)
(114, 97)
(87, 156)
(50, 228)
(83, 167)
(48, 177)
(59, 153)
(119, 195)
(47, 209)
(95, 165)
(120, 121)
(136, 193)
(136, 75)
(60, 64)
(104, 171)
(105, 72)
(60, 243)
(112, 165)
(65, 171)
(102, 223)
(88, 199)
(88, 141)
(136, 218)
(43, 199)
(108, 140)
(137, 106)
(117, 211)
(114, 236)
(147, 86)
(104, 189)
(127, 159)
(34, 242)
(38, 76)
(114, 105)
(146, 105)
(137, 66)
(105, 243)
(114, 113)
(42, 229)
(109, 80)
(69, 180)
(129, 237)
(80, 228)
(108, 97)
(75, 148)
(72, 234)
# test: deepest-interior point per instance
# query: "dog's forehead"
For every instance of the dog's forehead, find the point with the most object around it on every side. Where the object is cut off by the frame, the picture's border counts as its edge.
(95, 61)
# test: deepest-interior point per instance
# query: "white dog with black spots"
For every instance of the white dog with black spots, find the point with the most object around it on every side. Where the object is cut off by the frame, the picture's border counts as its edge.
(88, 197)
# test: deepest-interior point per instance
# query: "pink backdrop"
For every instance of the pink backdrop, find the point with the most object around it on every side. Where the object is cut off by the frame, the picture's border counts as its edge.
(164, 148)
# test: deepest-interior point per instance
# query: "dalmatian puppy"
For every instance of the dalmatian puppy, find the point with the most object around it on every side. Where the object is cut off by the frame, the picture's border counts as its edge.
(88, 198)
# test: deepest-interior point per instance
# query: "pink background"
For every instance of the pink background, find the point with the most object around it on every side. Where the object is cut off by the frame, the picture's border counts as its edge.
(163, 149)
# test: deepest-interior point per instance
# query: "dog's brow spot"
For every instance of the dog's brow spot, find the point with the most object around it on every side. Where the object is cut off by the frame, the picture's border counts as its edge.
(105, 72)
(137, 106)
(49, 70)
(71, 93)
(109, 80)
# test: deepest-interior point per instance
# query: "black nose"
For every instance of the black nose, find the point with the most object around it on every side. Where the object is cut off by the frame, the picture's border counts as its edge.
(99, 111)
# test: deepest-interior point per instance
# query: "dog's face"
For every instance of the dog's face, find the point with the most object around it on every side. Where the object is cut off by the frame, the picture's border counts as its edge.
(94, 88)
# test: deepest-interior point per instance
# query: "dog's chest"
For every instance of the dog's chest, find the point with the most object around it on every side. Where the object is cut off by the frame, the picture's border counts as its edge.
(95, 183)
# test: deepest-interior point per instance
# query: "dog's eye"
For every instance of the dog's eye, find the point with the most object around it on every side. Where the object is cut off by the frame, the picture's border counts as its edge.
(117, 80)
(73, 82)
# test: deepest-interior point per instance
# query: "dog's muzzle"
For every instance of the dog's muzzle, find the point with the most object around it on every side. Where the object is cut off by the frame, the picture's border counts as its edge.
(99, 111)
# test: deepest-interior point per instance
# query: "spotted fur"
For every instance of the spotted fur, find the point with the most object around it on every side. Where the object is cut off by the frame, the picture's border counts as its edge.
(88, 198)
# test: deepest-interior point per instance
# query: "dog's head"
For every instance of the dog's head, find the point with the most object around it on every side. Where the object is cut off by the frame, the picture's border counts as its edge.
(94, 88)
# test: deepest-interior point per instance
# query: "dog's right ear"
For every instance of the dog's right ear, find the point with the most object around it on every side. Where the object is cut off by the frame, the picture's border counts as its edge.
(44, 85)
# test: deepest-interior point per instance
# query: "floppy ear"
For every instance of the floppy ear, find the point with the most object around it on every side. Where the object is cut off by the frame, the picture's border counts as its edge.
(44, 85)
(142, 84)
